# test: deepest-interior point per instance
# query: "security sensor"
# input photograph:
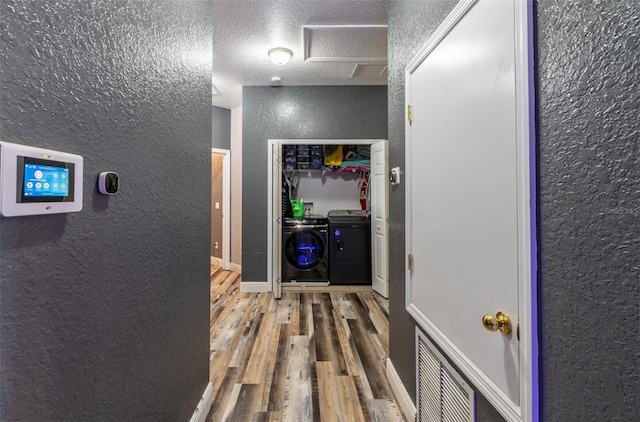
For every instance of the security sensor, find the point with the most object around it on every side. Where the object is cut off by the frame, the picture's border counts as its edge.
(276, 82)
(108, 183)
(395, 176)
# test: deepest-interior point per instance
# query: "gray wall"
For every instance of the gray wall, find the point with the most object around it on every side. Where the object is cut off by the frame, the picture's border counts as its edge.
(220, 127)
(329, 112)
(589, 194)
(589, 217)
(105, 313)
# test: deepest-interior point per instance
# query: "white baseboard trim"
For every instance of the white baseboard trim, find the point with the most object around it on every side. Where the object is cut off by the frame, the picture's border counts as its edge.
(235, 268)
(254, 286)
(204, 405)
(404, 400)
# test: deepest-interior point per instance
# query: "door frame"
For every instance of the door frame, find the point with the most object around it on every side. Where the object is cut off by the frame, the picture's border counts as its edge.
(226, 206)
(528, 410)
(274, 196)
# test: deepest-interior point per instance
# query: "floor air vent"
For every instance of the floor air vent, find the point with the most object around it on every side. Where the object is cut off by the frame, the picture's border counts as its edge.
(443, 396)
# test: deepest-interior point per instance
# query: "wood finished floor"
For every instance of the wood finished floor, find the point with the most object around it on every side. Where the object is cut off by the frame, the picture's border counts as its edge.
(306, 357)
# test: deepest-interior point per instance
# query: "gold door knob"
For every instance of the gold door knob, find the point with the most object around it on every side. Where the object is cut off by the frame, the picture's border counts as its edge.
(500, 321)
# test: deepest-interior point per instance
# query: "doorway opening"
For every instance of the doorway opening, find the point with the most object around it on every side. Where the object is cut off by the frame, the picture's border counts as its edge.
(379, 205)
(220, 209)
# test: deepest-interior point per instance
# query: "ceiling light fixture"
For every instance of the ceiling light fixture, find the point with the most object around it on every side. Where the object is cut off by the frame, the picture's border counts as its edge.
(280, 55)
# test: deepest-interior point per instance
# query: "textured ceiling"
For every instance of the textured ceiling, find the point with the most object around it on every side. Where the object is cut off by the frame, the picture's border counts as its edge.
(244, 31)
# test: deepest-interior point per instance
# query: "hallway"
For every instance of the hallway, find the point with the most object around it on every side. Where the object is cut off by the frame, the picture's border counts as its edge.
(308, 356)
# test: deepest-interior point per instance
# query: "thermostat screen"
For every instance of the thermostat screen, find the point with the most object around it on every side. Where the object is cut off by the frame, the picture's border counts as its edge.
(42, 180)
(45, 180)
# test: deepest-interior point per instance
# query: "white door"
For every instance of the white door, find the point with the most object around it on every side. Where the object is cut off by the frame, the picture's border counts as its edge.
(276, 215)
(468, 196)
(379, 185)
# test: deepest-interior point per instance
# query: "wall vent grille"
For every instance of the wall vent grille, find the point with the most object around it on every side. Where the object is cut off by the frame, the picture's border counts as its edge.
(443, 396)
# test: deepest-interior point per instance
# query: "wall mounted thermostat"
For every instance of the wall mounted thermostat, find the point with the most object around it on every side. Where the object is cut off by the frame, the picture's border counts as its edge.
(38, 181)
(108, 183)
(395, 176)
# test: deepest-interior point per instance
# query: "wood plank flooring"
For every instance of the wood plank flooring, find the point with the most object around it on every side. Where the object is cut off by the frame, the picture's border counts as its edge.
(310, 356)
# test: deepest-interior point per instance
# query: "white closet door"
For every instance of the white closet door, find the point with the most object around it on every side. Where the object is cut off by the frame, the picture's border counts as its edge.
(379, 185)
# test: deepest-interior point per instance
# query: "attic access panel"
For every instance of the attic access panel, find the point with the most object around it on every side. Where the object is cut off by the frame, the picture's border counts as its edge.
(345, 43)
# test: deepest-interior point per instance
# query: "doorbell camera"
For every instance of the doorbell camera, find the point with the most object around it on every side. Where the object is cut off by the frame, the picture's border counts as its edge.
(108, 183)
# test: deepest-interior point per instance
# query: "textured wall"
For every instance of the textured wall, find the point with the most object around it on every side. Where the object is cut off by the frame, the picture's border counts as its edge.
(221, 127)
(589, 193)
(104, 313)
(330, 112)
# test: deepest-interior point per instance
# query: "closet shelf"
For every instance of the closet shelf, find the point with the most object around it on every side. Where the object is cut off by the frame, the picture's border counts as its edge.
(348, 168)
(327, 171)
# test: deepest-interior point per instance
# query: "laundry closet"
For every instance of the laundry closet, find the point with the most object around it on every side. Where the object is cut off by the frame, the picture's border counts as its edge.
(324, 217)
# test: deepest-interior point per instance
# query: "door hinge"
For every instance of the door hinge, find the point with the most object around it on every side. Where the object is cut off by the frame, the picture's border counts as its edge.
(410, 261)
(410, 113)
